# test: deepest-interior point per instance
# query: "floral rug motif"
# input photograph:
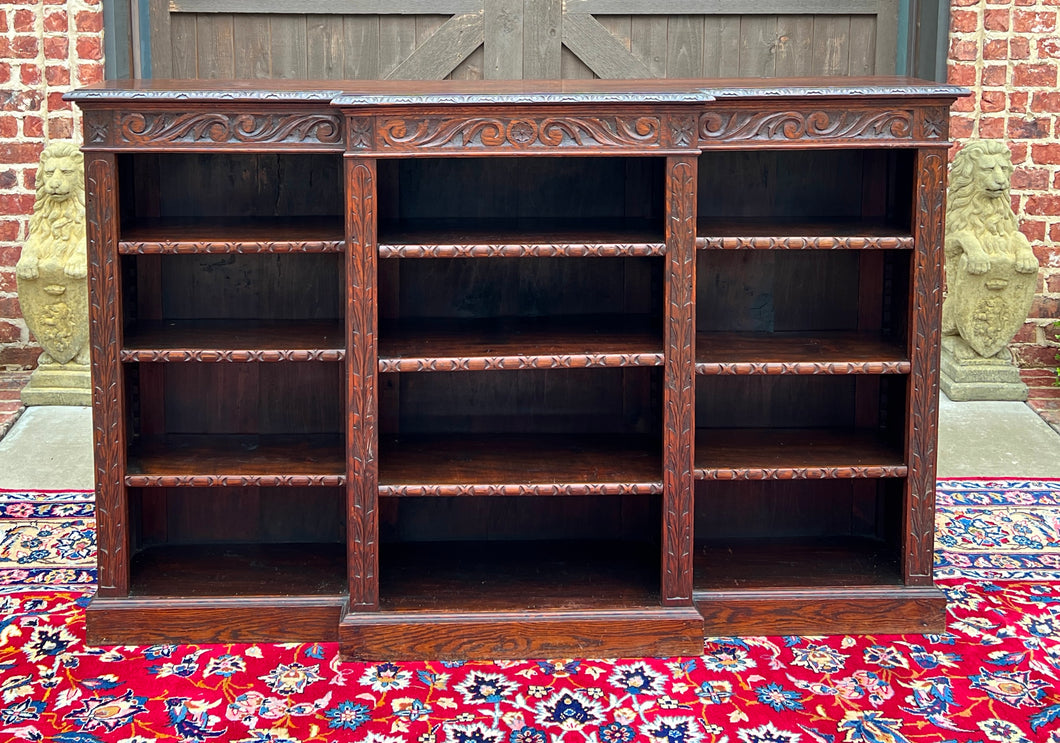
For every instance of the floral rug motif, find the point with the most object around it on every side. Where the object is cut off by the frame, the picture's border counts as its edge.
(47, 538)
(994, 676)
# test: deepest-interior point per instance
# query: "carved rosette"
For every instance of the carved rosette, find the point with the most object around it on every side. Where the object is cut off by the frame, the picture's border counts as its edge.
(932, 123)
(924, 378)
(743, 125)
(108, 418)
(520, 133)
(212, 128)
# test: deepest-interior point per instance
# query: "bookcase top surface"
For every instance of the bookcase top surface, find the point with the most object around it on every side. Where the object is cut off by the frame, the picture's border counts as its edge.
(511, 92)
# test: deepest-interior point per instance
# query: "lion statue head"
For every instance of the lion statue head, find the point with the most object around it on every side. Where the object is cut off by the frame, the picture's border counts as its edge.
(980, 179)
(57, 226)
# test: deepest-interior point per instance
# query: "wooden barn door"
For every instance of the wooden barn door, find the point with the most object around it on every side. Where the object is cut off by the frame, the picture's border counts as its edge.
(521, 39)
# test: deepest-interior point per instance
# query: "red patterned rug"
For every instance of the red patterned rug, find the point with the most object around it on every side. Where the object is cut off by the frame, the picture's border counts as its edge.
(995, 676)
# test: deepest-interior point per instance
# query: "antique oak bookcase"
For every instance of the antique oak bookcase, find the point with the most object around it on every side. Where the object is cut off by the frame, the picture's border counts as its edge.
(514, 369)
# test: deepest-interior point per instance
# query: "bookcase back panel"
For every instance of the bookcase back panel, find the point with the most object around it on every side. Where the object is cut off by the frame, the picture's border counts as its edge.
(470, 190)
(235, 287)
(177, 516)
(230, 185)
(291, 399)
(567, 401)
(798, 509)
(775, 291)
(807, 185)
(628, 518)
(522, 287)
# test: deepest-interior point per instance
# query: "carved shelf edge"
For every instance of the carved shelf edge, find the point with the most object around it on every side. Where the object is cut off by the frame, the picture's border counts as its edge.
(237, 356)
(522, 489)
(491, 363)
(522, 251)
(772, 368)
(801, 473)
(806, 243)
(209, 481)
(188, 247)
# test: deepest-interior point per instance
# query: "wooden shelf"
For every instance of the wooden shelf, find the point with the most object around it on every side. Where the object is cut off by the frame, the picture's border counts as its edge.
(235, 341)
(233, 235)
(216, 461)
(799, 353)
(520, 343)
(752, 234)
(501, 238)
(519, 465)
(794, 453)
(794, 563)
(244, 570)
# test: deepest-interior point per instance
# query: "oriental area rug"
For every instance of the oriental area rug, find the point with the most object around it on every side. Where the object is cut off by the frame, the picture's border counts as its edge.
(993, 676)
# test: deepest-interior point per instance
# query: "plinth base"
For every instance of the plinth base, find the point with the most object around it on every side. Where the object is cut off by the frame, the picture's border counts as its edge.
(967, 376)
(59, 384)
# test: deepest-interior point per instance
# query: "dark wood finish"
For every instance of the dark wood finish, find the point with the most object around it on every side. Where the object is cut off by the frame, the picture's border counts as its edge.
(833, 352)
(295, 446)
(108, 403)
(794, 453)
(215, 461)
(521, 239)
(232, 235)
(273, 618)
(924, 339)
(362, 467)
(519, 465)
(519, 343)
(631, 631)
(825, 611)
(746, 234)
(238, 341)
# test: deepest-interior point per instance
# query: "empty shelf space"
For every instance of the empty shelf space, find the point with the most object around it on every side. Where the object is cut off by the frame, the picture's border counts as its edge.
(240, 570)
(234, 340)
(794, 453)
(171, 461)
(799, 353)
(517, 576)
(794, 563)
(747, 234)
(319, 234)
(520, 237)
(519, 465)
(519, 343)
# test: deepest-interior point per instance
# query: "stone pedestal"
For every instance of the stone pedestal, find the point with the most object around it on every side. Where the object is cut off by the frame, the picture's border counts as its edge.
(59, 384)
(968, 376)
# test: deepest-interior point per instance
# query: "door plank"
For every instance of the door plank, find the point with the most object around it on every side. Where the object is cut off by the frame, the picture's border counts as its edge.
(599, 50)
(542, 39)
(444, 50)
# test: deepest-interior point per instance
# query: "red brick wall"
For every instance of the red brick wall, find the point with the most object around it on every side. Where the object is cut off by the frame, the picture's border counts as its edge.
(46, 48)
(1008, 52)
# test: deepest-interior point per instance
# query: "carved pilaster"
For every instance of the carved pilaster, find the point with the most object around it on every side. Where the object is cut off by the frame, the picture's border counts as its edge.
(924, 376)
(108, 416)
(361, 364)
(679, 386)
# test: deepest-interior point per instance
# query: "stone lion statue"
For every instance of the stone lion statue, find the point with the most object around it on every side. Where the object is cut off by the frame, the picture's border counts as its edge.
(51, 270)
(991, 270)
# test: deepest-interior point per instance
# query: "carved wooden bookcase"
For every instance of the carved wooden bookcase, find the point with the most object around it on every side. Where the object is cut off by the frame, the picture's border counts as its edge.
(489, 370)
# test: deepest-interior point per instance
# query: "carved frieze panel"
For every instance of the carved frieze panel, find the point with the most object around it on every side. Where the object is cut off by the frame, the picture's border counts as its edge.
(213, 128)
(491, 133)
(749, 125)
